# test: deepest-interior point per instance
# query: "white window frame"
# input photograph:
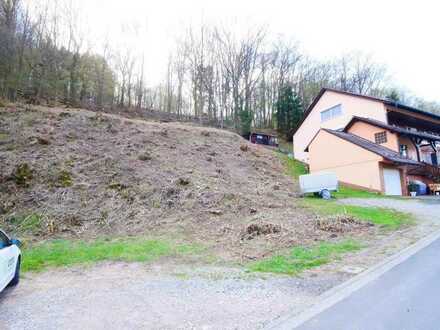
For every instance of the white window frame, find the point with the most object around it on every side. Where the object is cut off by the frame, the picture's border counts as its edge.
(331, 113)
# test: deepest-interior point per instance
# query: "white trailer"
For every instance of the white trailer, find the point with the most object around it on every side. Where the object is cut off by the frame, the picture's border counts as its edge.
(320, 183)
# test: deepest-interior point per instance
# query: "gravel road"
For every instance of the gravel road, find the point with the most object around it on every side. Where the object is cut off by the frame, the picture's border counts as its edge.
(138, 296)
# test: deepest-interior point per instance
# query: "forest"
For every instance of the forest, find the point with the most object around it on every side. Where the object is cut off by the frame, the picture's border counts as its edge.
(236, 80)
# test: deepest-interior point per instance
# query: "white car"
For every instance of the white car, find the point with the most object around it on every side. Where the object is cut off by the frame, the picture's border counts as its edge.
(10, 260)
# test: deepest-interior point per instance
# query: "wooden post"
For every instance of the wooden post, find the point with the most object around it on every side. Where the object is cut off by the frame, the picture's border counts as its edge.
(416, 143)
(405, 182)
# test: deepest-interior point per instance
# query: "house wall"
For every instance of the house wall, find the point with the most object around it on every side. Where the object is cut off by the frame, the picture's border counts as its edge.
(352, 164)
(367, 131)
(351, 106)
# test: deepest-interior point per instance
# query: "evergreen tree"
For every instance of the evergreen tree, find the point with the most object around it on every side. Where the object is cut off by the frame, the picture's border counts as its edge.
(393, 95)
(289, 112)
(245, 122)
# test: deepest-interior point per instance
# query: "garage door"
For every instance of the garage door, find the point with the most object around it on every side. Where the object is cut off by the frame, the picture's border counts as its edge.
(393, 184)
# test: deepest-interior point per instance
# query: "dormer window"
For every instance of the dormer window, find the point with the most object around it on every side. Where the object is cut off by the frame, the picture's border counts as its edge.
(331, 113)
(381, 137)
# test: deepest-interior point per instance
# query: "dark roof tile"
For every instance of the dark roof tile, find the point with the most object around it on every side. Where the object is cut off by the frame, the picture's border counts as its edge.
(373, 147)
(391, 128)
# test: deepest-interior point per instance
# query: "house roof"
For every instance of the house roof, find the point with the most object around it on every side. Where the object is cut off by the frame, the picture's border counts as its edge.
(371, 98)
(378, 149)
(395, 129)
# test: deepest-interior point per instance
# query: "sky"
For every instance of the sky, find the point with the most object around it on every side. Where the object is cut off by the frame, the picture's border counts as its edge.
(403, 35)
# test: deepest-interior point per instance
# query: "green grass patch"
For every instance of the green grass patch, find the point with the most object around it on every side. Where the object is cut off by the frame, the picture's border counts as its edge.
(285, 145)
(302, 258)
(383, 217)
(294, 168)
(62, 253)
(346, 192)
(26, 223)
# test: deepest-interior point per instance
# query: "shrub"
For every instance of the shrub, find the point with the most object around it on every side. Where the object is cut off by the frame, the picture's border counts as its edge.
(22, 175)
(26, 223)
(64, 179)
(413, 187)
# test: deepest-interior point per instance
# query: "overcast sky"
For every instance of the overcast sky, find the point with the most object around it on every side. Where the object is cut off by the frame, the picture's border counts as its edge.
(404, 35)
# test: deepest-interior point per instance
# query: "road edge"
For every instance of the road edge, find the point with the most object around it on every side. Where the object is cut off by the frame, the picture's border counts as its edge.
(342, 291)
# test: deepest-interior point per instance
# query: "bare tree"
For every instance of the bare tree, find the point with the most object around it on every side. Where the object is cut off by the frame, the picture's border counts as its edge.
(230, 76)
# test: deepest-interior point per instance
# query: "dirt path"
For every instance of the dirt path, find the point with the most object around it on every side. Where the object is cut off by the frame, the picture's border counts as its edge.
(138, 296)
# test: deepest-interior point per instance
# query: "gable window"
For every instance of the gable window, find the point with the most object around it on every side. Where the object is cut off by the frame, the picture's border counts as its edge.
(331, 113)
(380, 137)
(404, 150)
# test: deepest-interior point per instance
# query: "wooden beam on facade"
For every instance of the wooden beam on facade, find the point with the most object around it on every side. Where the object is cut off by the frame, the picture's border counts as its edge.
(416, 142)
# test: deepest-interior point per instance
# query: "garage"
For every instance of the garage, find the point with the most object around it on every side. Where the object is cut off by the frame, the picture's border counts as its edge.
(392, 182)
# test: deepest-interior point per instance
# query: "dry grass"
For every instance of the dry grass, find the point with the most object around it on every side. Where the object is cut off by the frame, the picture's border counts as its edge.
(98, 175)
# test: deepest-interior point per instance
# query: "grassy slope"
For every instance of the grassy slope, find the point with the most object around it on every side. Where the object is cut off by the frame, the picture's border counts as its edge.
(300, 258)
(285, 145)
(387, 218)
(294, 168)
(65, 253)
(346, 192)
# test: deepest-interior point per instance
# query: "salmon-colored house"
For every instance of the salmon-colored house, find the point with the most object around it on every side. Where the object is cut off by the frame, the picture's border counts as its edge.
(371, 143)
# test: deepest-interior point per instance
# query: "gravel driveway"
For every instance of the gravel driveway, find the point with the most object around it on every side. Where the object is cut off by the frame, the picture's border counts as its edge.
(138, 296)
(426, 209)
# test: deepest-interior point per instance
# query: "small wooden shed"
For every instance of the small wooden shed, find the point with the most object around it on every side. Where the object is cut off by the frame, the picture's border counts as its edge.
(264, 138)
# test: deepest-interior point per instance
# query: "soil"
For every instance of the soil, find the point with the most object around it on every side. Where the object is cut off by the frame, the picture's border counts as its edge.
(159, 296)
(85, 174)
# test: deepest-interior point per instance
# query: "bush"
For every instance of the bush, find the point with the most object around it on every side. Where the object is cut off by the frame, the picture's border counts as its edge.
(26, 223)
(413, 187)
(64, 179)
(22, 175)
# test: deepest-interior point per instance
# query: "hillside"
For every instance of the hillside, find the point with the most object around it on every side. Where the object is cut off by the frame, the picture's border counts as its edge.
(79, 174)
